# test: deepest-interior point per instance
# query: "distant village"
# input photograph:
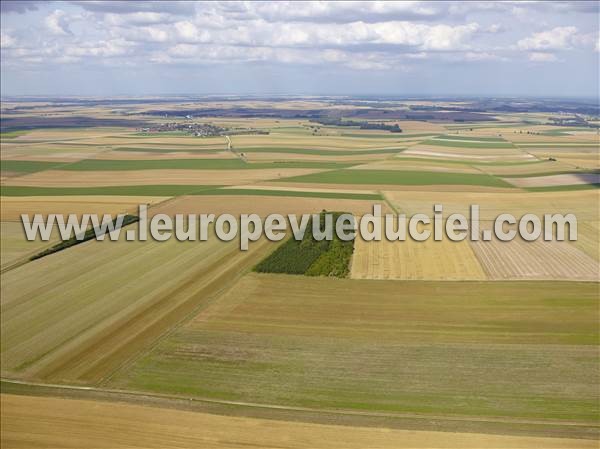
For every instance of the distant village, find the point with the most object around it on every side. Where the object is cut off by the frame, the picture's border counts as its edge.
(198, 129)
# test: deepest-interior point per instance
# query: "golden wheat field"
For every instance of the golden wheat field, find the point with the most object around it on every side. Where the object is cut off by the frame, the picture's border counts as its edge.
(410, 260)
(35, 422)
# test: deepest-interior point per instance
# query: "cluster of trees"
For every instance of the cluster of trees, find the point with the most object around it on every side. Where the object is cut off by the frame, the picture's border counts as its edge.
(362, 125)
(310, 256)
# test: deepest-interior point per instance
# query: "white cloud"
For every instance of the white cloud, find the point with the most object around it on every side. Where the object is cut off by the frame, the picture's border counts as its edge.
(542, 57)
(559, 38)
(481, 56)
(57, 23)
(261, 33)
(7, 41)
(358, 35)
(330, 12)
(138, 18)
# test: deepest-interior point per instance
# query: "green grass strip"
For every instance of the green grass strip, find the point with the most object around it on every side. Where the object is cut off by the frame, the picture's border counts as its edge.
(11, 134)
(295, 193)
(174, 190)
(399, 177)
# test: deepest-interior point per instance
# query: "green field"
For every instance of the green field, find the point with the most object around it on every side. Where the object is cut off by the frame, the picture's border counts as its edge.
(292, 193)
(174, 190)
(11, 134)
(515, 350)
(398, 177)
(29, 166)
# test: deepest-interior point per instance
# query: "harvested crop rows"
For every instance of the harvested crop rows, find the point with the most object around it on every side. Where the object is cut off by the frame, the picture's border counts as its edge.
(104, 301)
(540, 260)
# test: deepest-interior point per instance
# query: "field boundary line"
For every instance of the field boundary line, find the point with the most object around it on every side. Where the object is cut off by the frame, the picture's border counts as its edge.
(142, 394)
(208, 303)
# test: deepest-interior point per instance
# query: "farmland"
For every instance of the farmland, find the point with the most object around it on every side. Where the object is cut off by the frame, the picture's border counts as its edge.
(398, 178)
(92, 313)
(429, 260)
(48, 421)
(303, 344)
(230, 351)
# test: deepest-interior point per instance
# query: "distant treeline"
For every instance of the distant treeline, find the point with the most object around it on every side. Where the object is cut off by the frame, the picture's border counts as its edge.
(89, 234)
(310, 256)
(362, 125)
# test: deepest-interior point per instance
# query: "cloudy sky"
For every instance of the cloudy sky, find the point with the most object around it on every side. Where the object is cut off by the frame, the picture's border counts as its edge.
(370, 48)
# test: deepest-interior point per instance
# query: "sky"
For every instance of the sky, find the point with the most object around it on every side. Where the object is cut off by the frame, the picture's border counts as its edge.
(111, 48)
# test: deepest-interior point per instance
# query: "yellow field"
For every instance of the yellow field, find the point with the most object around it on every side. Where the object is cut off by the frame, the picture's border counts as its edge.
(418, 126)
(588, 158)
(584, 203)
(588, 238)
(467, 154)
(410, 260)
(166, 141)
(183, 154)
(539, 260)
(71, 133)
(50, 151)
(527, 168)
(586, 137)
(67, 178)
(323, 142)
(14, 248)
(261, 205)
(41, 422)
(259, 157)
(13, 207)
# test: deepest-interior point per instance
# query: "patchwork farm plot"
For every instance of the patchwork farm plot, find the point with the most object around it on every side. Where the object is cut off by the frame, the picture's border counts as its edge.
(490, 343)
(381, 347)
